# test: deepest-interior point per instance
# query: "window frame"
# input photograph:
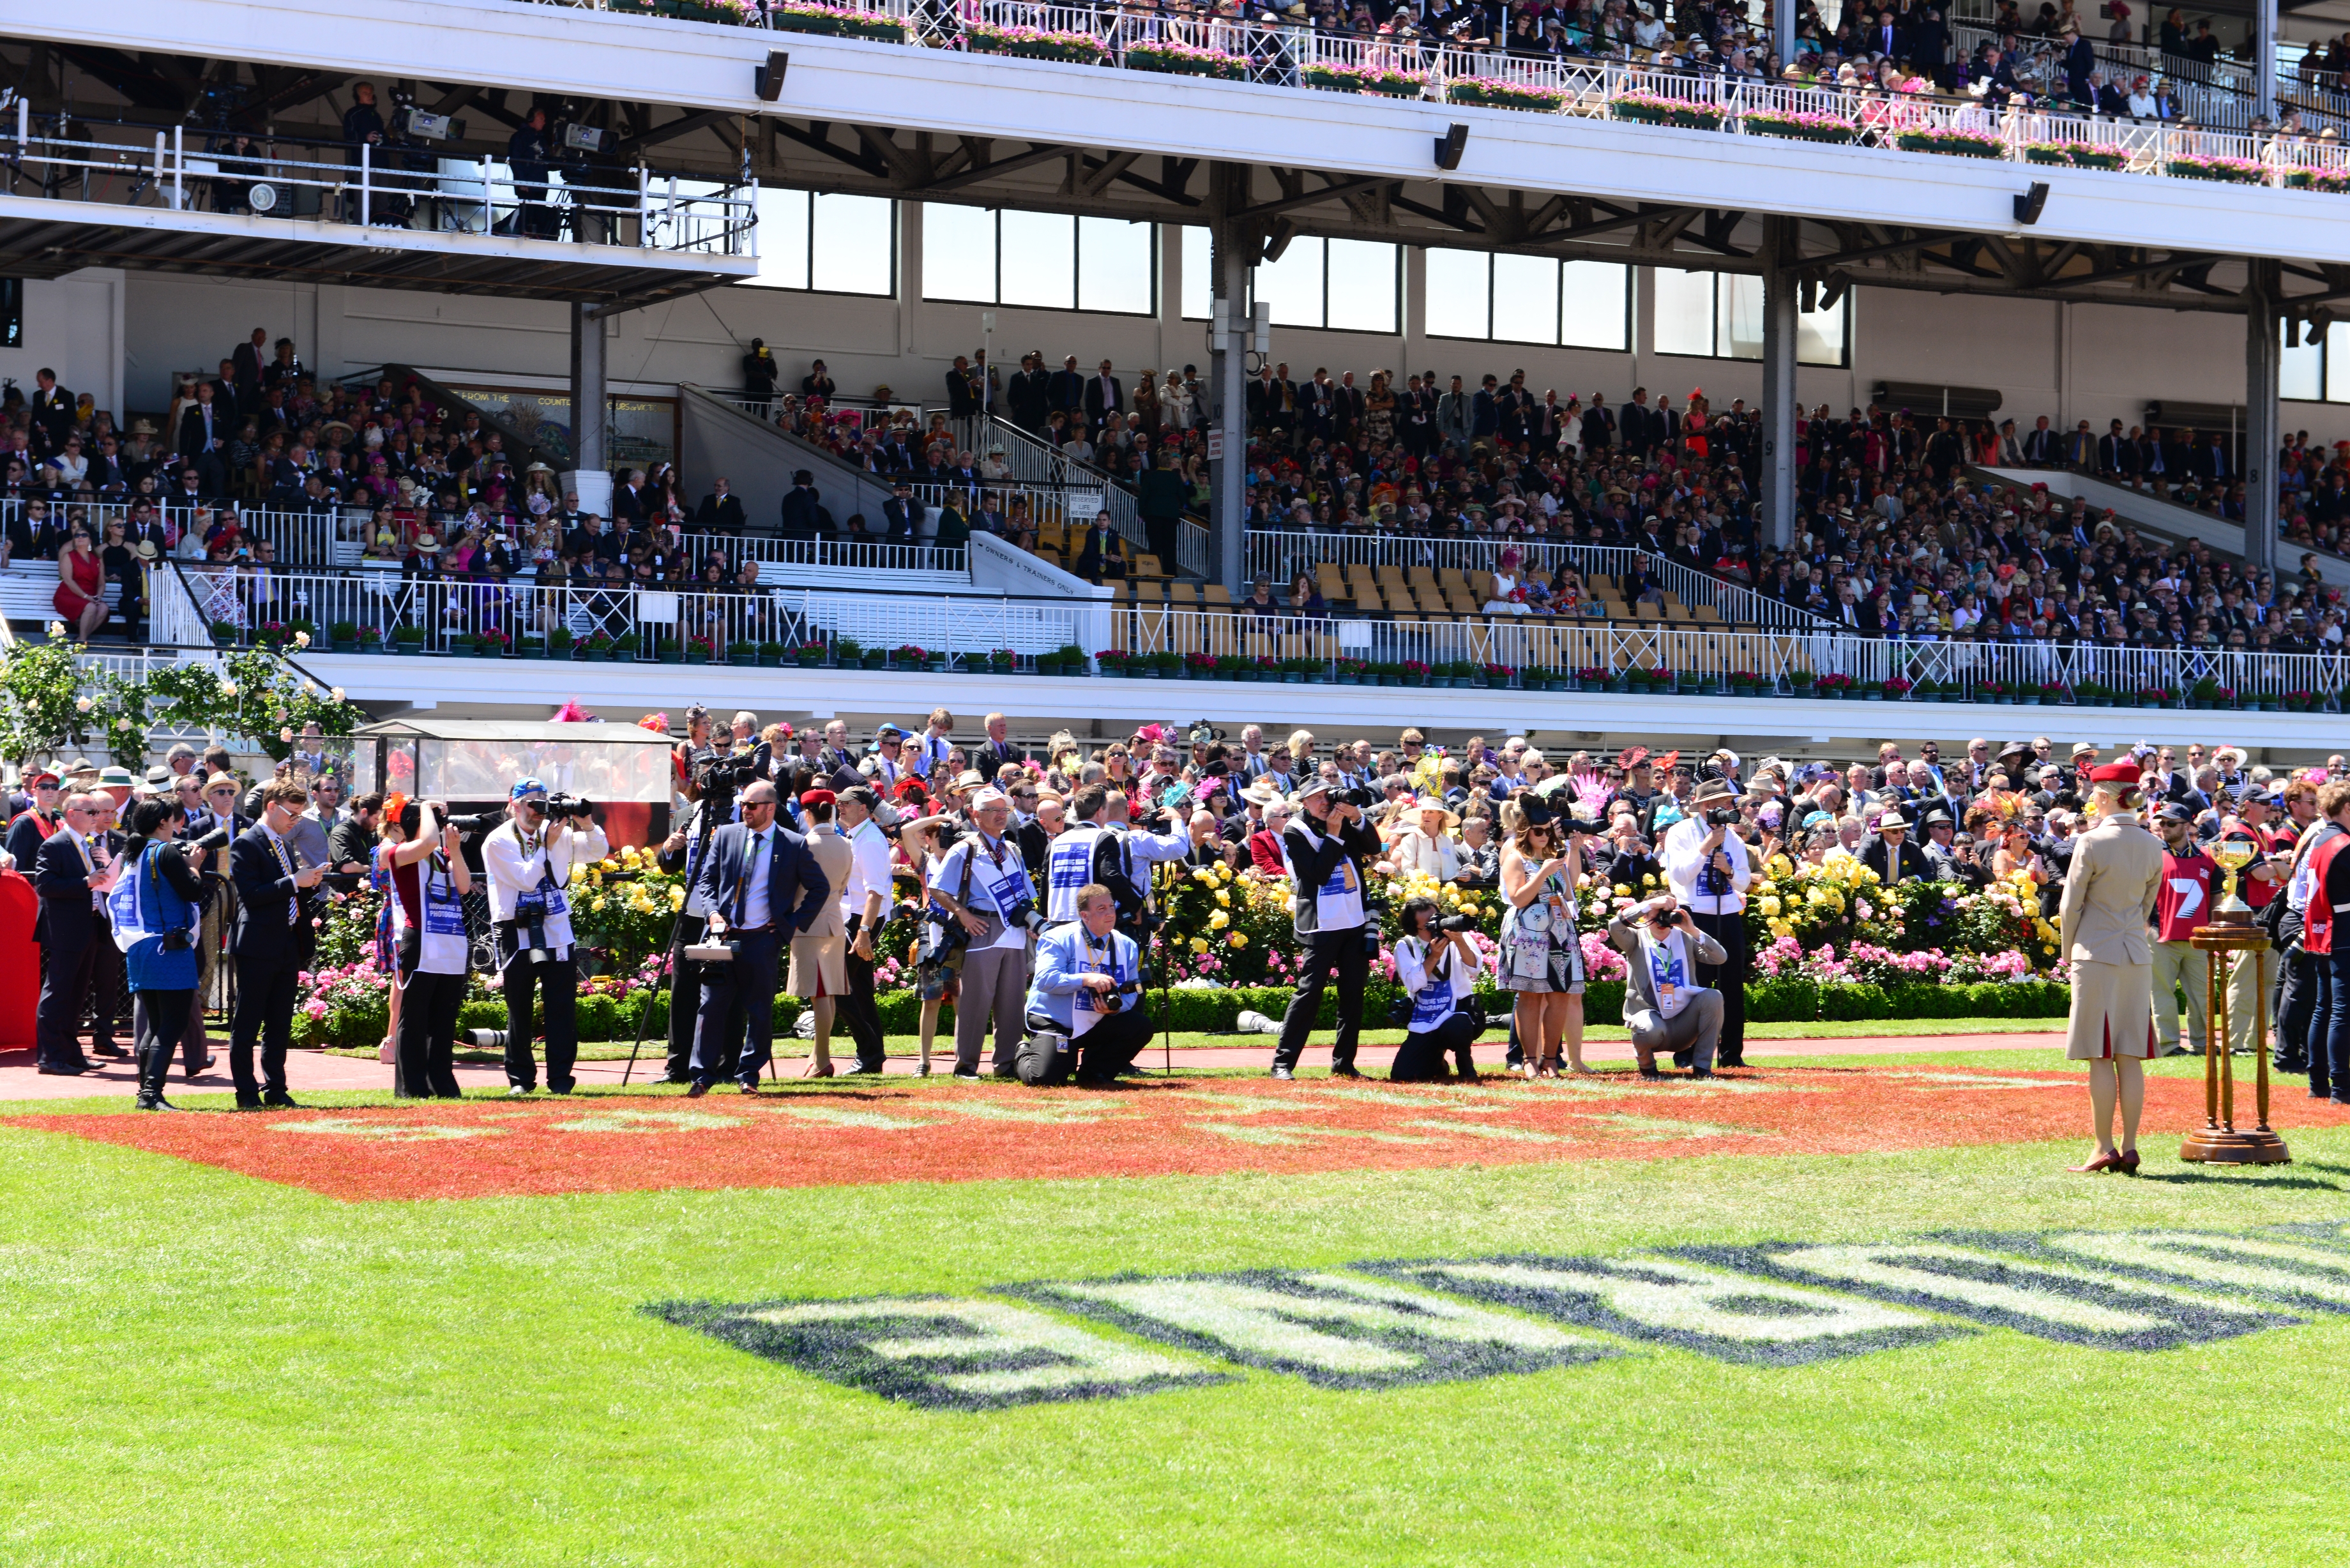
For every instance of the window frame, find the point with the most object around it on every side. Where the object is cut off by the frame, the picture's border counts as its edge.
(1560, 341)
(1156, 266)
(896, 244)
(1402, 285)
(1843, 349)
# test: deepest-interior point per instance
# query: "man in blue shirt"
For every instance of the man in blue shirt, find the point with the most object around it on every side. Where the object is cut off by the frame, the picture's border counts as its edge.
(1087, 992)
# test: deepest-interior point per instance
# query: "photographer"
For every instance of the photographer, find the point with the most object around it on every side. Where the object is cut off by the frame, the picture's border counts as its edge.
(1663, 947)
(426, 862)
(268, 943)
(1092, 852)
(530, 860)
(157, 905)
(1436, 969)
(983, 884)
(1710, 870)
(1328, 843)
(1082, 1015)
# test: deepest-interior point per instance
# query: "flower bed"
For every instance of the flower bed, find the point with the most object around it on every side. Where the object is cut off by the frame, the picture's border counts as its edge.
(1492, 93)
(2076, 155)
(799, 16)
(2227, 170)
(1951, 142)
(1183, 60)
(1366, 79)
(1033, 43)
(1798, 127)
(1651, 109)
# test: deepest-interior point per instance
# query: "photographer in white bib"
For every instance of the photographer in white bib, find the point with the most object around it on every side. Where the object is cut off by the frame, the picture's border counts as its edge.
(422, 857)
(531, 860)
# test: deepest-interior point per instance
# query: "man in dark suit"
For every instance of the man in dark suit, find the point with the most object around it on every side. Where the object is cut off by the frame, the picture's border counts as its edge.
(53, 407)
(802, 518)
(1066, 391)
(721, 511)
(1105, 397)
(203, 436)
(902, 513)
(35, 825)
(761, 886)
(1892, 856)
(999, 748)
(628, 499)
(67, 879)
(266, 947)
(1029, 397)
(247, 365)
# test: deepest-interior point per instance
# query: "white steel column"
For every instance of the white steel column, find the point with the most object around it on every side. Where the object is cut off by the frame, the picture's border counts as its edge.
(590, 476)
(2262, 358)
(1779, 406)
(1232, 257)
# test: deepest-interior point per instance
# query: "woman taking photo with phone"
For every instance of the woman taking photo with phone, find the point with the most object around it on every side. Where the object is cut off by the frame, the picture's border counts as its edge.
(1541, 956)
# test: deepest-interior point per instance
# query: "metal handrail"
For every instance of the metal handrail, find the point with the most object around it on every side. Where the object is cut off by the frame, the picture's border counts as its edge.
(367, 186)
(1296, 56)
(430, 615)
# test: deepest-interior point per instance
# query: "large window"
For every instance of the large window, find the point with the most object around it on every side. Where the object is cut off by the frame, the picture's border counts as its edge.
(1529, 299)
(2315, 372)
(831, 245)
(1047, 260)
(1719, 315)
(1341, 286)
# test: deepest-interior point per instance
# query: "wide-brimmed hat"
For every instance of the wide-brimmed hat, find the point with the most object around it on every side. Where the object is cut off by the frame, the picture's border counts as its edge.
(969, 778)
(1428, 803)
(428, 543)
(1710, 789)
(1263, 792)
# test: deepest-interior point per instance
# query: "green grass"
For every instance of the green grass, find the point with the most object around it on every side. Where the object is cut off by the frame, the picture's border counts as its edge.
(206, 1369)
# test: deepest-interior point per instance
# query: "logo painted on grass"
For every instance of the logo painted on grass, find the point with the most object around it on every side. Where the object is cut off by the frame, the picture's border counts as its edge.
(1390, 1324)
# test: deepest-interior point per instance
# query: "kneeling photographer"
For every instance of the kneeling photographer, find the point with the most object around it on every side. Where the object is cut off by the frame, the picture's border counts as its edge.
(422, 853)
(531, 859)
(1437, 969)
(1084, 1012)
(1663, 948)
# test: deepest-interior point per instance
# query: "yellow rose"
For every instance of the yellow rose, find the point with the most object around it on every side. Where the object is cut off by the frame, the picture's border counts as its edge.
(1770, 907)
(677, 898)
(1203, 874)
(1471, 910)
(1237, 939)
(1199, 944)
(1223, 897)
(1218, 921)
(1622, 891)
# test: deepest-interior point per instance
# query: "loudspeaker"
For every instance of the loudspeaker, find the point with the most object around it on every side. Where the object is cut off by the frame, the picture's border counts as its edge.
(768, 79)
(2028, 205)
(1448, 146)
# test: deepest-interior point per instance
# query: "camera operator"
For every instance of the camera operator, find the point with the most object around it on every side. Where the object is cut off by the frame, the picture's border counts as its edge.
(983, 883)
(157, 906)
(1436, 969)
(1083, 1013)
(530, 860)
(1328, 843)
(761, 884)
(1662, 948)
(865, 900)
(268, 943)
(430, 880)
(1708, 866)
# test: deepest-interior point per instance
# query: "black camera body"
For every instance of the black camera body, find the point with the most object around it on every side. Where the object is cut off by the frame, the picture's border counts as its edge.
(1722, 817)
(177, 941)
(1360, 797)
(1457, 923)
(566, 808)
(1025, 916)
(480, 822)
(216, 839)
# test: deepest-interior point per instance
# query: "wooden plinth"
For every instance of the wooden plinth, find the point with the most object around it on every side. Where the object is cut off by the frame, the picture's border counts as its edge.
(2217, 1142)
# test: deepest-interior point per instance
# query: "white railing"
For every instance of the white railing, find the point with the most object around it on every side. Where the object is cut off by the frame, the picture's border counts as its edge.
(845, 554)
(1278, 553)
(300, 538)
(1045, 468)
(369, 186)
(1297, 57)
(204, 609)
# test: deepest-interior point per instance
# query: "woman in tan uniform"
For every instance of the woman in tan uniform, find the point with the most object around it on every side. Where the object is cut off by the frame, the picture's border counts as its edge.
(819, 969)
(2109, 893)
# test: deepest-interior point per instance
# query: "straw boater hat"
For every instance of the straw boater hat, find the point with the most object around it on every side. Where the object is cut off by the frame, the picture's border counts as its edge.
(428, 543)
(1263, 792)
(969, 778)
(1424, 804)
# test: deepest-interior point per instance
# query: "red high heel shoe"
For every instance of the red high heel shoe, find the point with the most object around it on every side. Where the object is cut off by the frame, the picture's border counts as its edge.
(2128, 1166)
(2102, 1162)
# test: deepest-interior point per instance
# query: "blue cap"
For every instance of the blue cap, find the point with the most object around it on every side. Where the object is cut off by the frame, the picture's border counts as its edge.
(526, 786)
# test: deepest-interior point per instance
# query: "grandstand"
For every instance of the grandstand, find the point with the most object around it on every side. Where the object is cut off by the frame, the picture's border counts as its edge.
(1431, 259)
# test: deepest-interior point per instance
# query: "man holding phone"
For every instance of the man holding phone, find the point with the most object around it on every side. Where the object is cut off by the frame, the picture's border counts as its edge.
(1663, 947)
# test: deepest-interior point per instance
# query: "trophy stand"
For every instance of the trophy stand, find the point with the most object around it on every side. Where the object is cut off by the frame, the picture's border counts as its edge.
(2217, 1141)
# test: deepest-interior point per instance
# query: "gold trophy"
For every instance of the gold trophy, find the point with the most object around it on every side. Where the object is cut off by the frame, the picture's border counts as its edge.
(2231, 855)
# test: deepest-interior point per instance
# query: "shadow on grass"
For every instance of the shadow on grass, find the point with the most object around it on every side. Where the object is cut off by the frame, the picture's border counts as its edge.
(2192, 1178)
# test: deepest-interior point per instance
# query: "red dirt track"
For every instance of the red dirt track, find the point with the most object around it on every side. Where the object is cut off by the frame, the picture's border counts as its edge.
(910, 1131)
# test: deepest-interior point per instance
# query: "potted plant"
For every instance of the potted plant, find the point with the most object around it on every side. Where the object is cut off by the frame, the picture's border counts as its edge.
(1893, 690)
(1003, 661)
(936, 662)
(1164, 664)
(597, 647)
(1494, 93)
(1413, 673)
(625, 646)
(908, 655)
(847, 653)
(343, 637)
(1031, 43)
(492, 643)
(1951, 140)
(1664, 680)
(1798, 126)
(804, 17)
(874, 659)
(1071, 659)
(1802, 681)
(408, 639)
(1649, 108)
(1350, 672)
(1182, 59)
(2204, 693)
(559, 643)
(1115, 663)
(530, 645)
(370, 640)
(1838, 688)
(809, 655)
(1332, 78)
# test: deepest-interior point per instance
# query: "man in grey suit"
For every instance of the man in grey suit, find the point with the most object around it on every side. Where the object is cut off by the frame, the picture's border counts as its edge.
(762, 888)
(1663, 947)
